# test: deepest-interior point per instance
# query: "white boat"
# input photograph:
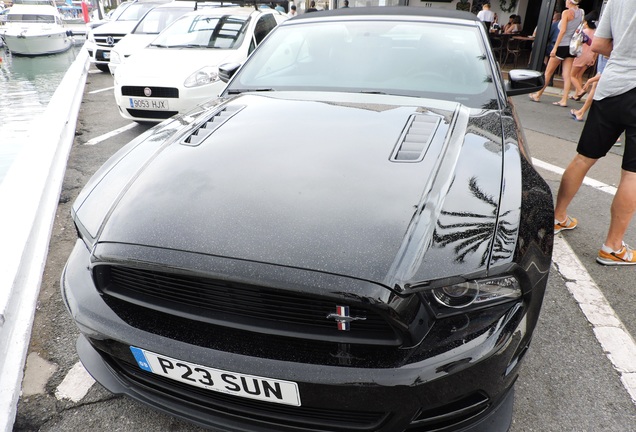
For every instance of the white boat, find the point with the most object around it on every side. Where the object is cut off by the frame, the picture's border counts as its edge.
(35, 27)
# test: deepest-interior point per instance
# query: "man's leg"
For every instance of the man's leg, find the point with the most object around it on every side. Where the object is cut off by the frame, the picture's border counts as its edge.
(622, 211)
(570, 184)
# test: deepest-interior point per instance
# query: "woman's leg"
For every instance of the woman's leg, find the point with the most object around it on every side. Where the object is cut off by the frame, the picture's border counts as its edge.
(576, 78)
(586, 106)
(553, 63)
(567, 70)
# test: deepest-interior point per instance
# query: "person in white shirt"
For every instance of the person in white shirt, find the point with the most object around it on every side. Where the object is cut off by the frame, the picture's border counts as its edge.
(486, 15)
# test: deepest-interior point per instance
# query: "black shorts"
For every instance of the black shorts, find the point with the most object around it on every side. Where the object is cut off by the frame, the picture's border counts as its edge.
(606, 121)
(563, 52)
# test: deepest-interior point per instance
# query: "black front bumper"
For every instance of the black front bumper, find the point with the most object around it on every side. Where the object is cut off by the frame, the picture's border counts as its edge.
(467, 387)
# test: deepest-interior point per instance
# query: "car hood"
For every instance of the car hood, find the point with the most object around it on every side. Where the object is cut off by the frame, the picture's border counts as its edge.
(115, 27)
(150, 63)
(363, 187)
(133, 42)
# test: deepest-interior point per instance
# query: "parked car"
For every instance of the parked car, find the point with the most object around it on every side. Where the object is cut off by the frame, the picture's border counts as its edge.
(351, 237)
(191, 48)
(3, 15)
(102, 39)
(147, 29)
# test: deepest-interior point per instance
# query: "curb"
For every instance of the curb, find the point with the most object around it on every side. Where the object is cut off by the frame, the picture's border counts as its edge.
(30, 192)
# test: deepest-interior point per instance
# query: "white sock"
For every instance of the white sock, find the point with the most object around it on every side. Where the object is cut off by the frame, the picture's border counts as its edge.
(608, 249)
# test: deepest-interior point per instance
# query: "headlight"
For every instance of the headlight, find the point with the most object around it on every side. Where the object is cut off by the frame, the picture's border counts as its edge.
(114, 57)
(478, 292)
(202, 77)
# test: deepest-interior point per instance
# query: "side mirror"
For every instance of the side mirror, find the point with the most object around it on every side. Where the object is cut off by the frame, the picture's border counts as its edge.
(227, 71)
(523, 81)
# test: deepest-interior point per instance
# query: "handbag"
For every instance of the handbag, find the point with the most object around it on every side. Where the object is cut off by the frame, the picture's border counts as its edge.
(577, 41)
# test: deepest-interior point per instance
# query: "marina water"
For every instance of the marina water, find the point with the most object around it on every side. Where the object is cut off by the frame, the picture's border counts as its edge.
(26, 86)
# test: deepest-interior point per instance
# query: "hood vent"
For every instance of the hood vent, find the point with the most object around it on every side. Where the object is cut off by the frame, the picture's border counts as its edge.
(415, 140)
(212, 124)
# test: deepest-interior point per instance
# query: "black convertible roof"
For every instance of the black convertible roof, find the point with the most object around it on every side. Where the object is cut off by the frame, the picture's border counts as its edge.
(391, 11)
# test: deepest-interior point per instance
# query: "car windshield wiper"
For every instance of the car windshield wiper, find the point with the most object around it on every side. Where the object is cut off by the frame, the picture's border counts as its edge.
(373, 92)
(188, 46)
(239, 91)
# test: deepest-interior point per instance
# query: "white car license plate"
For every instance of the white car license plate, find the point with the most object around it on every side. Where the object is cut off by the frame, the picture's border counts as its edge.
(149, 104)
(247, 386)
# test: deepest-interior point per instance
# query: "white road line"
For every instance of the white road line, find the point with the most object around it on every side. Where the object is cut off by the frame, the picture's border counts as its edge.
(101, 90)
(101, 138)
(618, 344)
(75, 385)
(586, 181)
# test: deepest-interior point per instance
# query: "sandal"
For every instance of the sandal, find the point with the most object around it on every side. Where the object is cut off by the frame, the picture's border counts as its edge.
(531, 96)
(578, 97)
(574, 116)
(559, 104)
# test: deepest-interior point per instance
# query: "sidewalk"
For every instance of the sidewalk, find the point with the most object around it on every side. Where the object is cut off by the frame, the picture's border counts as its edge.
(30, 193)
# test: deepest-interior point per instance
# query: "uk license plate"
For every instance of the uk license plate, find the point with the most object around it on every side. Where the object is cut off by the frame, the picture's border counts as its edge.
(149, 104)
(237, 384)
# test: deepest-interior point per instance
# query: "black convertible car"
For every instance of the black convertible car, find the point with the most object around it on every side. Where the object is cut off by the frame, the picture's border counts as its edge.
(352, 237)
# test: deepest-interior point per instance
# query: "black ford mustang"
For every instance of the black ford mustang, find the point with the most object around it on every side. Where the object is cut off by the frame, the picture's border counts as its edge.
(350, 238)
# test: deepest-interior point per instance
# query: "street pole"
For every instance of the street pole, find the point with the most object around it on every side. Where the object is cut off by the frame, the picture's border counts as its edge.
(541, 38)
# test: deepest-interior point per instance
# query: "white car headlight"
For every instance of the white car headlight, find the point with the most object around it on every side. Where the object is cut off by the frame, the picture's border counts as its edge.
(203, 76)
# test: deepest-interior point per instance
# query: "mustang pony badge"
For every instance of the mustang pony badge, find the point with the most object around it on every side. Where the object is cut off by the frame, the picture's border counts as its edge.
(343, 318)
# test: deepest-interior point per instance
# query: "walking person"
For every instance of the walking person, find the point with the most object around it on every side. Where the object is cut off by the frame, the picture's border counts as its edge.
(612, 113)
(590, 88)
(560, 54)
(586, 59)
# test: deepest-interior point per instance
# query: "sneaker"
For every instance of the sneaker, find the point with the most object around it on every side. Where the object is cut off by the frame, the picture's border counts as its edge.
(568, 224)
(625, 256)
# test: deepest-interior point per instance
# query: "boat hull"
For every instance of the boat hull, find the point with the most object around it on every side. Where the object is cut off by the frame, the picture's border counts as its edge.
(28, 43)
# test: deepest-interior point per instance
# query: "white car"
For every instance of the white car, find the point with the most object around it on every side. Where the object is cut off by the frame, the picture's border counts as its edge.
(147, 30)
(179, 69)
(102, 39)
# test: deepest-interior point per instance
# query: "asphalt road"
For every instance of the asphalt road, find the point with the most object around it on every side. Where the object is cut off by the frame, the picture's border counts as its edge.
(567, 383)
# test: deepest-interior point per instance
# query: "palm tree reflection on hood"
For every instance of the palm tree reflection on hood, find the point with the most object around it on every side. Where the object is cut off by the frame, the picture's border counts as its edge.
(469, 236)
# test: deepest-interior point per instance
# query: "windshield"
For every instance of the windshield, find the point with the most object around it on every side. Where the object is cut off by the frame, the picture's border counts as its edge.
(198, 31)
(158, 19)
(135, 11)
(32, 18)
(423, 59)
(120, 10)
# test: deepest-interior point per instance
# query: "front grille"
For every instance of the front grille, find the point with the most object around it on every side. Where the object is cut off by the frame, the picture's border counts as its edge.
(102, 40)
(260, 309)
(160, 115)
(157, 92)
(228, 406)
(258, 345)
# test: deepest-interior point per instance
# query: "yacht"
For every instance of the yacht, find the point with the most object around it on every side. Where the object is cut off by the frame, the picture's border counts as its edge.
(35, 27)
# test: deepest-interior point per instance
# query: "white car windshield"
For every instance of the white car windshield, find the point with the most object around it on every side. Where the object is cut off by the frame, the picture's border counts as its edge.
(200, 31)
(135, 11)
(158, 19)
(423, 59)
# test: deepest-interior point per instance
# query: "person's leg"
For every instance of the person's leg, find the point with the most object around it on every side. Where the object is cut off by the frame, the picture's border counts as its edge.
(580, 113)
(621, 114)
(622, 210)
(567, 70)
(570, 183)
(553, 63)
(576, 78)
